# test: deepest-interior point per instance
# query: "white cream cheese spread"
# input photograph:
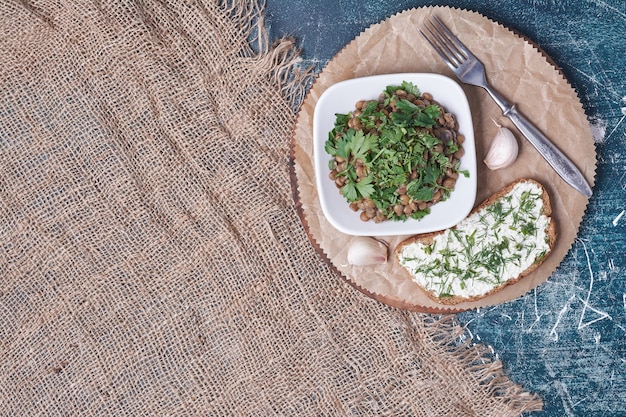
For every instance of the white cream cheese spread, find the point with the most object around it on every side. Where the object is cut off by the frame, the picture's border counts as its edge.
(486, 249)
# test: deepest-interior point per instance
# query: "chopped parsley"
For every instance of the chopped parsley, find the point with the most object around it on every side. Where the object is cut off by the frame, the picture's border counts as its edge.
(393, 158)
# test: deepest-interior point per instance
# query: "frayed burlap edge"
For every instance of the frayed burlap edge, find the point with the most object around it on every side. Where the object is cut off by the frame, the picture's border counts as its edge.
(479, 360)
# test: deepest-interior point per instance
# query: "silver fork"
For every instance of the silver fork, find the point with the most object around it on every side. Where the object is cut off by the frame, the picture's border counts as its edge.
(471, 71)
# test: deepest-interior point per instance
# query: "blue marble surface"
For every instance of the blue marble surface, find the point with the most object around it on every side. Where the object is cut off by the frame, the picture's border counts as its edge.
(566, 340)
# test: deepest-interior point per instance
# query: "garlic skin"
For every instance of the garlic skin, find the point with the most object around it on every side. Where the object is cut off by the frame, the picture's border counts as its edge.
(367, 251)
(503, 151)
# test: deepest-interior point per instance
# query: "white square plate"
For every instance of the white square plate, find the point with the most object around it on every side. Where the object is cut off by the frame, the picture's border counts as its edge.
(341, 98)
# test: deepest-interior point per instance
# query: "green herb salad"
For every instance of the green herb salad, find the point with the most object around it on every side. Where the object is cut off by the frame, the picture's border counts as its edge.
(393, 158)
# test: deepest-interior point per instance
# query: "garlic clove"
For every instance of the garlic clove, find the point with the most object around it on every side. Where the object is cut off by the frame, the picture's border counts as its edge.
(503, 150)
(367, 251)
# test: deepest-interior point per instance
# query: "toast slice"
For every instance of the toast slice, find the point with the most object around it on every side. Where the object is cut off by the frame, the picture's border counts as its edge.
(502, 240)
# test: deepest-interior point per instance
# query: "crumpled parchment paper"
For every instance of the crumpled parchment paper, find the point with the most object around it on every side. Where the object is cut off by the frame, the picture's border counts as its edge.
(521, 73)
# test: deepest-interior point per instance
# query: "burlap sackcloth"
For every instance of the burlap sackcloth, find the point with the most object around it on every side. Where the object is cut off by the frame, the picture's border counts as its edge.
(152, 261)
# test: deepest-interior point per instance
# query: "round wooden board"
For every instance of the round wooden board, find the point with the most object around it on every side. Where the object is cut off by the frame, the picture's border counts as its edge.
(520, 72)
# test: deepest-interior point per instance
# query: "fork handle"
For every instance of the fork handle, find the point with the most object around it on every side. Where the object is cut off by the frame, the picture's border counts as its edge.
(559, 162)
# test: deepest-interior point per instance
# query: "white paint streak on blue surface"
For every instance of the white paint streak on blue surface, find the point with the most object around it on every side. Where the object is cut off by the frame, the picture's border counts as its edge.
(537, 315)
(566, 398)
(617, 219)
(621, 179)
(553, 333)
(623, 110)
(586, 306)
(613, 10)
(618, 123)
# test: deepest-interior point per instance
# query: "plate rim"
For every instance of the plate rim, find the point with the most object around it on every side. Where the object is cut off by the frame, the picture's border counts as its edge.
(460, 204)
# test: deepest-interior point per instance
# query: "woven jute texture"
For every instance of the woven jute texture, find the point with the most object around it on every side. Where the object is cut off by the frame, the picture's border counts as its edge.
(152, 261)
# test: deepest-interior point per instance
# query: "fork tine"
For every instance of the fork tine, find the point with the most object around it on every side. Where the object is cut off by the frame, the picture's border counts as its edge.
(451, 37)
(445, 55)
(442, 43)
(435, 44)
(450, 56)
